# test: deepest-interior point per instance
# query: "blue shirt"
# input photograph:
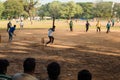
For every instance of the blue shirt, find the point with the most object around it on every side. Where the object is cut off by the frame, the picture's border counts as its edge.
(12, 29)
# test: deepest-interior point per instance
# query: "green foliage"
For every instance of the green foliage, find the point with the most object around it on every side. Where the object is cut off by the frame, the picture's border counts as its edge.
(79, 11)
(116, 10)
(103, 10)
(88, 10)
(58, 9)
(70, 9)
(13, 9)
(43, 11)
(54, 9)
(29, 6)
(1, 8)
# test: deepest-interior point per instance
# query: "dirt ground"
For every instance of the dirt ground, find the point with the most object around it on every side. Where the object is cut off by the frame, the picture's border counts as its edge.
(74, 51)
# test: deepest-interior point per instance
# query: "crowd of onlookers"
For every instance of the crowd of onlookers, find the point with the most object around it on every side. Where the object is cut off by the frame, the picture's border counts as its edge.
(53, 71)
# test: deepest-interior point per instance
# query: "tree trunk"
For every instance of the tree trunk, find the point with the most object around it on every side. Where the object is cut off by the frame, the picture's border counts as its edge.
(53, 21)
(31, 20)
(30, 17)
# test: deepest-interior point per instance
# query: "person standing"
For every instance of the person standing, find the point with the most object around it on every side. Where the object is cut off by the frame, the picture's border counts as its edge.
(21, 24)
(87, 26)
(11, 32)
(9, 25)
(50, 35)
(108, 27)
(113, 22)
(71, 25)
(98, 25)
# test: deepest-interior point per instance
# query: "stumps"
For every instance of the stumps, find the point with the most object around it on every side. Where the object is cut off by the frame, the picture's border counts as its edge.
(43, 40)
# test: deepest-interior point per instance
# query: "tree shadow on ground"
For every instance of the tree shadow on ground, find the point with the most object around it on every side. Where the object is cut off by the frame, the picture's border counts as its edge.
(103, 64)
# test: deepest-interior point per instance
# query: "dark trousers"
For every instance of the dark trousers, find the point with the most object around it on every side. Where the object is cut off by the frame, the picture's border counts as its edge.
(98, 29)
(108, 29)
(51, 39)
(21, 26)
(113, 24)
(10, 36)
(71, 29)
(87, 28)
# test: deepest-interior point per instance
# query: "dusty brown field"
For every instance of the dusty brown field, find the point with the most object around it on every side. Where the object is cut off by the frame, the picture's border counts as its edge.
(97, 52)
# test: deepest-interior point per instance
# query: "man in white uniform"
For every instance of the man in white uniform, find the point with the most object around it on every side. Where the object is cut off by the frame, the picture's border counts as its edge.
(21, 24)
(50, 35)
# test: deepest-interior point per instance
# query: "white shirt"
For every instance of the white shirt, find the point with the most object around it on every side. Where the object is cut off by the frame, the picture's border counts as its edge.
(50, 32)
(21, 23)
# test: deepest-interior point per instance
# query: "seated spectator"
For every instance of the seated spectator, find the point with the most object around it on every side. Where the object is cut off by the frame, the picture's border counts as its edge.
(29, 66)
(23, 76)
(84, 75)
(3, 69)
(53, 70)
(29, 69)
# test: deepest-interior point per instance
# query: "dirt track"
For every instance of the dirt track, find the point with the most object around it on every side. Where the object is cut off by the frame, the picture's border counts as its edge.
(97, 52)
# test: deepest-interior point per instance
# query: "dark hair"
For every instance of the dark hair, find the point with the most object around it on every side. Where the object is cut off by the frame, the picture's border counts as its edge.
(29, 65)
(14, 25)
(53, 28)
(3, 66)
(84, 75)
(53, 70)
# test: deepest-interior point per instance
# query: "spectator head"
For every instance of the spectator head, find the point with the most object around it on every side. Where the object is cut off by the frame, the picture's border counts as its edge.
(3, 66)
(29, 65)
(53, 70)
(84, 75)
(22, 76)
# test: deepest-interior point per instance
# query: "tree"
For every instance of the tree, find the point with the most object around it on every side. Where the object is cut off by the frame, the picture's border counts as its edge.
(79, 11)
(41, 13)
(103, 10)
(116, 10)
(70, 9)
(43, 10)
(88, 9)
(13, 9)
(54, 10)
(1, 8)
(29, 6)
